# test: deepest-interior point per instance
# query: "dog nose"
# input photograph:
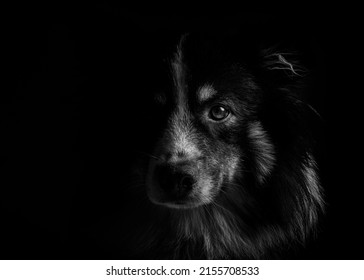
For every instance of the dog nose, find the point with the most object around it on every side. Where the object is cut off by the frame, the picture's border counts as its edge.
(174, 182)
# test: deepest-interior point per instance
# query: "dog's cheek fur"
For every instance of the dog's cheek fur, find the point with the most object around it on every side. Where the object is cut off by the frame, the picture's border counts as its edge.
(219, 165)
(261, 149)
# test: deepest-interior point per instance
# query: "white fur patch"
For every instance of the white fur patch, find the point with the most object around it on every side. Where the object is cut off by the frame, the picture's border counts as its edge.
(311, 176)
(232, 167)
(181, 138)
(205, 92)
(312, 180)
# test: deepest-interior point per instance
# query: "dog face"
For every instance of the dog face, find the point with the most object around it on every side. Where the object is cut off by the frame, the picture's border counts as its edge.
(233, 166)
(201, 150)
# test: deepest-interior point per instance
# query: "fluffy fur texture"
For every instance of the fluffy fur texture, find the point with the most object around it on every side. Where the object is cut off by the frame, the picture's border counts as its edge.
(232, 174)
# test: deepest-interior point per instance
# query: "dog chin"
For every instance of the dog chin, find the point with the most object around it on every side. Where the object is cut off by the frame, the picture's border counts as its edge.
(179, 204)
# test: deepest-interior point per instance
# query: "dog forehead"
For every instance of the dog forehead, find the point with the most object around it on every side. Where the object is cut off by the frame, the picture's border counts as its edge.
(203, 67)
(178, 68)
(201, 92)
(186, 83)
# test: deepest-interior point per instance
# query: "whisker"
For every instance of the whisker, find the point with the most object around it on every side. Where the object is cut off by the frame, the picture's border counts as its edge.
(220, 206)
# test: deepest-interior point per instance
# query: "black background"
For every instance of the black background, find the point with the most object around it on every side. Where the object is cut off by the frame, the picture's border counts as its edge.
(74, 109)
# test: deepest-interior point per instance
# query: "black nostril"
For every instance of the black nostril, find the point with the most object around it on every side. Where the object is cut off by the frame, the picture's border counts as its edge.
(174, 182)
(186, 182)
(165, 177)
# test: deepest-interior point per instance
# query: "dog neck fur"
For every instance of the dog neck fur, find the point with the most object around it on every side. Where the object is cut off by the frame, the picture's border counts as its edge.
(218, 231)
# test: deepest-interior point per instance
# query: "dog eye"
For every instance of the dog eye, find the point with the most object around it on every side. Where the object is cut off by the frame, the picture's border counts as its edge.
(218, 113)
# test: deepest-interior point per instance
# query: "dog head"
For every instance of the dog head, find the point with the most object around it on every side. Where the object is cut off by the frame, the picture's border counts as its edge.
(211, 110)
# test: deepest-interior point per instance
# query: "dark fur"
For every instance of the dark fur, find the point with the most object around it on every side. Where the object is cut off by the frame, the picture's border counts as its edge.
(274, 201)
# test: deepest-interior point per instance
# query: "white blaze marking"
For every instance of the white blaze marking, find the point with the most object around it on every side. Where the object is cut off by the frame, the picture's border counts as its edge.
(178, 73)
(181, 137)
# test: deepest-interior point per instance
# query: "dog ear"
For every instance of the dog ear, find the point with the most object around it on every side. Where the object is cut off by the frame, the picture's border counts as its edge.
(285, 114)
(285, 72)
(285, 76)
(283, 69)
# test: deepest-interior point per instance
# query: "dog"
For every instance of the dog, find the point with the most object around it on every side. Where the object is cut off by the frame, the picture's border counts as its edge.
(232, 173)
